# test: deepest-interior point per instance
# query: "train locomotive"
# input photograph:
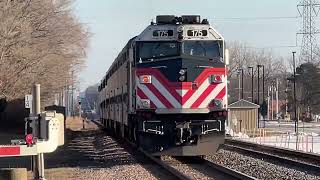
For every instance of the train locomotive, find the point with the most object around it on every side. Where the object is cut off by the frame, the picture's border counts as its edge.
(167, 89)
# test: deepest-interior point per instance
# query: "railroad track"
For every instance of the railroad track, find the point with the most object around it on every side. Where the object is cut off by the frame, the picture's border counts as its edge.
(217, 171)
(305, 161)
(229, 172)
(214, 170)
(169, 170)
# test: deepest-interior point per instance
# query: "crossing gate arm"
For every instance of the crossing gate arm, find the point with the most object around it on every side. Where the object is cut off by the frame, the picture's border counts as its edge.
(17, 150)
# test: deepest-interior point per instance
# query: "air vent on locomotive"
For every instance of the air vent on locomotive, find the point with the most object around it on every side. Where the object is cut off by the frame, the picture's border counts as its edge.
(186, 19)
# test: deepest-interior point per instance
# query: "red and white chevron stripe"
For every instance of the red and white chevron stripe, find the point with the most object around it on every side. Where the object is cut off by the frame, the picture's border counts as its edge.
(165, 94)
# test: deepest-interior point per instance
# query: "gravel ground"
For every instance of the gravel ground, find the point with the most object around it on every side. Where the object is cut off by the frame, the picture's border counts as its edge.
(115, 161)
(195, 169)
(91, 154)
(315, 161)
(257, 167)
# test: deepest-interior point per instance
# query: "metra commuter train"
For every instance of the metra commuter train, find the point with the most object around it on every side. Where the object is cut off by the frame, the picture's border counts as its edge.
(167, 89)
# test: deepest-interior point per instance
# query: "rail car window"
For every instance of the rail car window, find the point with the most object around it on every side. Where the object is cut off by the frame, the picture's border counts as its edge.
(149, 51)
(209, 49)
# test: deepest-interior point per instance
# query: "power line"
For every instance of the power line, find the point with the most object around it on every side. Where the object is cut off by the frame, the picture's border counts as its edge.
(255, 18)
(271, 47)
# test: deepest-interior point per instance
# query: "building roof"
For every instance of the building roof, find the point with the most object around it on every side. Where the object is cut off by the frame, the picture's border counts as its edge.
(243, 104)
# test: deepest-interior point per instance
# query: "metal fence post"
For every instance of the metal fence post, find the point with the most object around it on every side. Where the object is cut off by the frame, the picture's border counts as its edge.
(38, 161)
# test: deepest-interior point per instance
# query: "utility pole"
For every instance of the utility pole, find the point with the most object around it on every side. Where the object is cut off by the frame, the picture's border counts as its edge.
(272, 101)
(268, 98)
(252, 99)
(242, 87)
(67, 100)
(258, 93)
(259, 66)
(258, 100)
(294, 93)
(240, 82)
(72, 91)
(38, 160)
(263, 83)
(277, 97)
(239, 85)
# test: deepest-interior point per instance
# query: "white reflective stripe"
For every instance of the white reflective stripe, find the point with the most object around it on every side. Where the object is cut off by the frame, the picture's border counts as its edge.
(182, 92)
(212, 95)
(165, 93)
(138, 101)
(197, 94)
(28, 151)
(150, 95)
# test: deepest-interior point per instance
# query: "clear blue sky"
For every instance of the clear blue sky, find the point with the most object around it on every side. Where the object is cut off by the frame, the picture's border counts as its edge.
(113, 22)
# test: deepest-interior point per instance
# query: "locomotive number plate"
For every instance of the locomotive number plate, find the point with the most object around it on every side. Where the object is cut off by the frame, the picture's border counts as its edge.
(162, 33)
(197, 33)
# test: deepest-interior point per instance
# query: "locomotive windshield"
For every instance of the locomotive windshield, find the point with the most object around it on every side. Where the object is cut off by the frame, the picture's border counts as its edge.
(153, 50)
(149, 51)
(208, 49)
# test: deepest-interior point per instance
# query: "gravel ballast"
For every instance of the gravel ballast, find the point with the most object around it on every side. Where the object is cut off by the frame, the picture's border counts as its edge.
(258, 168)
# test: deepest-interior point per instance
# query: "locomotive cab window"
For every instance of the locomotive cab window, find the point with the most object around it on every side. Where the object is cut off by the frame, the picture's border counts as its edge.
(149, 51)
(208, 49)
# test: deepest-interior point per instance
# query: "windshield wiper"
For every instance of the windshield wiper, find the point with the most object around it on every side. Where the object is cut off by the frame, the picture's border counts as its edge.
(159, 58)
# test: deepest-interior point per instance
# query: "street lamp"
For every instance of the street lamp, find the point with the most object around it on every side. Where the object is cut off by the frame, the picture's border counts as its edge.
(250, 67)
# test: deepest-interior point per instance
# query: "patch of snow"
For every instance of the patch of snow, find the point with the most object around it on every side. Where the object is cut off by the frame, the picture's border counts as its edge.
(307, 142)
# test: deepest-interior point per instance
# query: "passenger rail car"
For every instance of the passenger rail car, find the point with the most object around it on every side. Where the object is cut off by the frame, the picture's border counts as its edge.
(167, 89)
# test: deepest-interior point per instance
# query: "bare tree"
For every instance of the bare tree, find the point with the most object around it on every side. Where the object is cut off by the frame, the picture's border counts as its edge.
(242, 57)
(40, 41)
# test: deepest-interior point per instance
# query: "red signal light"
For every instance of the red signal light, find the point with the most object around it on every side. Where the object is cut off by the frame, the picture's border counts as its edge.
(218, 79)
(29, 139)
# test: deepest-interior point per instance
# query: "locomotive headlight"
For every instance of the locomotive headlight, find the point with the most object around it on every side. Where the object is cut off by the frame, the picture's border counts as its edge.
(218, 103)
(145, 103)
(182, 78)
(145, 79)
(180, 29)
(215, 79)
(182, 71)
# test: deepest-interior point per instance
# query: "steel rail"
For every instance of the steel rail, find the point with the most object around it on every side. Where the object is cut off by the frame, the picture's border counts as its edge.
(174, 172)
(272, 153)
(304, 155)
(223, 171)
(230, 172)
